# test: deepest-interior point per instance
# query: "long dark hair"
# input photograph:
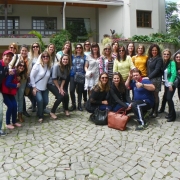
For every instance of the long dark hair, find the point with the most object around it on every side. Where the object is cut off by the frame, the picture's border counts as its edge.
(23, 73)
(121, 85)
(177, 64)
(150, 50)
(118, 55)
(62, 67)
(133, 52)
(94, 44)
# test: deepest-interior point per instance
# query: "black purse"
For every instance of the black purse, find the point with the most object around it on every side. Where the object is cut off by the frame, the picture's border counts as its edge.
(79, 78)
(100, 117)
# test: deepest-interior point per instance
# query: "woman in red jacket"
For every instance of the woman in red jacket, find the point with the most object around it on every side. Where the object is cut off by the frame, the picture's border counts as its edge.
(10, 86)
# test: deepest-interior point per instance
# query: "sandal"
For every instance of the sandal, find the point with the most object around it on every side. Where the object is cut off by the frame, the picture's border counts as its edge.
(53, 115)
(40, 120)
(17, 125)
(9, 126)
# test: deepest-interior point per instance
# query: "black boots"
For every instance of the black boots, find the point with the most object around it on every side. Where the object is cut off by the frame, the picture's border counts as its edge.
(154, 112)
(80, 107)
(73, 107)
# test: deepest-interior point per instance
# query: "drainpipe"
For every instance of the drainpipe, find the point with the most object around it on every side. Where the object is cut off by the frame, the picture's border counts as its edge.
(64, 18)
(5, 14)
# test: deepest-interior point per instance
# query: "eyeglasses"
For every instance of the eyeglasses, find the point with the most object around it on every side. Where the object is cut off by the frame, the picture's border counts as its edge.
(78, 47)
(166, 54)
(45, 56)
(104, 77)
(12, 48)
(35, 46)
(107, 49)
(121, 50)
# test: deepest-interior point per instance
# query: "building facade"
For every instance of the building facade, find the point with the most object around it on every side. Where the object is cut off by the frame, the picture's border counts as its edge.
(82, 17)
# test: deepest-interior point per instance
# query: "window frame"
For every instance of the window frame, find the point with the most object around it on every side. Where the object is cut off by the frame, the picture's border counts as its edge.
(13, 30)
(44, 30)
(141, 18)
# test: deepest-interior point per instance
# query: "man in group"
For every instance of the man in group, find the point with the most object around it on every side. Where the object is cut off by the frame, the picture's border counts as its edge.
(143, 98)
(6, 58)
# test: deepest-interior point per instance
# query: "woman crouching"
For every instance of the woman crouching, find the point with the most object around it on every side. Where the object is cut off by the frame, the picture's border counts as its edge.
(56, 84)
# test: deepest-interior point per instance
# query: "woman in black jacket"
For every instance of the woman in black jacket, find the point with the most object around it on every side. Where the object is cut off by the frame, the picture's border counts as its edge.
(155, 64)
(119, 96)
(99, 94)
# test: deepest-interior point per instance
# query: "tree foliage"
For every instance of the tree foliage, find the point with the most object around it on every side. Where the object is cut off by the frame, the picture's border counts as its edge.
(172, 19)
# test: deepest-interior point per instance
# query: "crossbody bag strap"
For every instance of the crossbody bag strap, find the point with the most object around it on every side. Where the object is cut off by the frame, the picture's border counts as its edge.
(42, 77)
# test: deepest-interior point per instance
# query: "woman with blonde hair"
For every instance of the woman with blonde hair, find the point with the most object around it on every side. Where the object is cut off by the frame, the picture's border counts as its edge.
(39, 77)
(14, 48)
(99, 94)
(106, 61)
(169, 69)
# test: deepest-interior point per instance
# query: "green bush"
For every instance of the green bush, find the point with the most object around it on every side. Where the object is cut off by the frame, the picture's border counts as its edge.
(60, 38)
(157, 38)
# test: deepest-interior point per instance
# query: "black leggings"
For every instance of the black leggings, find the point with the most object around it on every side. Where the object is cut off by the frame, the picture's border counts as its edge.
(59, 97)
(80, 88)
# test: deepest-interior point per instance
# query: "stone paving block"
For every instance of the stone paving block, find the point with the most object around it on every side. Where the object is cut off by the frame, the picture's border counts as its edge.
(70, 174)
(50, 173)
(34, 162)
(98, 172)
(25, 175)
(42, 177)
(105, 177)
(159, 175)
(175, 174)
(13, 173)
(149, 173)
(80, 177)
(42, 167)
(121, 175)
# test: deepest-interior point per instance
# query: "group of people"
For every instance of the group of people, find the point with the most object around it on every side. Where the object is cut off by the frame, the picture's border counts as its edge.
(101, 80)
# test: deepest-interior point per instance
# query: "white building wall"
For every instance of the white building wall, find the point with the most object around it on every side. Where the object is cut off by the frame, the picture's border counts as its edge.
(110, 18)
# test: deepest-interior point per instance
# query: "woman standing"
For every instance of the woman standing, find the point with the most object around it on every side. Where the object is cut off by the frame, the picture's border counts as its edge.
(35, 52)
(10, 86)
(106, 62)
(92, 67)
(155, 64)
(22, 57)
(130, 49)
(169, 89)
(140, 60)
(87, 48)
(39, 77)
(78, 63)
(99, 95)
(119, 96)
(115, 49)
(56, 84)
(123, 64)
(177, 60)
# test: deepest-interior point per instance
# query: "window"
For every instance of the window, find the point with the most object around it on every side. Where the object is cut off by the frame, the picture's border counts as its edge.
(78, 28)
(143, 18)
(12, 25)
(44, 25)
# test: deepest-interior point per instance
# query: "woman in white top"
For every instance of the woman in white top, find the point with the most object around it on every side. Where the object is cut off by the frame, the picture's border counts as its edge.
(92, 67)
(39, 77)
(35, 51)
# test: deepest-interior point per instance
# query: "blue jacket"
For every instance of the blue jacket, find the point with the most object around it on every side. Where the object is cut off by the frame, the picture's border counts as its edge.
(3, 71)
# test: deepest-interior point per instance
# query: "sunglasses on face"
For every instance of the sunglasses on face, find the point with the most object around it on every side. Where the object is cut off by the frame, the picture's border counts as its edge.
(107, 49)
(121, 50)
(78, 47)
(35, 46)
(12, 48)
(104, 77)
(21, 66)
(45, 56)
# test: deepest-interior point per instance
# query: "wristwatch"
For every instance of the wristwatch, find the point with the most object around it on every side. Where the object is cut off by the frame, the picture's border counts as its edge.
(142, 85)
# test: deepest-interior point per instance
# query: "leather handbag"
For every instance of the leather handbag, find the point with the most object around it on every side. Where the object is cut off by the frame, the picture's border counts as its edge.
(177, 81)
(100, 117)
(79, 78)
(118, 120)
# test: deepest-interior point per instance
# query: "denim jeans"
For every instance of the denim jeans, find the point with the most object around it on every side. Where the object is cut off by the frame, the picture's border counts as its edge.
(11, 104)
(117, 107)
(42, 102)
(1, 110)
(20, 96)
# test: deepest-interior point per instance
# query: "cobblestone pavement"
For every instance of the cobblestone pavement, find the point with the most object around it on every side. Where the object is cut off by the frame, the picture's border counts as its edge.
(75, 149)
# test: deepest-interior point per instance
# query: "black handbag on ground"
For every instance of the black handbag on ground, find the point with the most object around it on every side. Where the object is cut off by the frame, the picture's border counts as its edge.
(79, 78)
(100, 117)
